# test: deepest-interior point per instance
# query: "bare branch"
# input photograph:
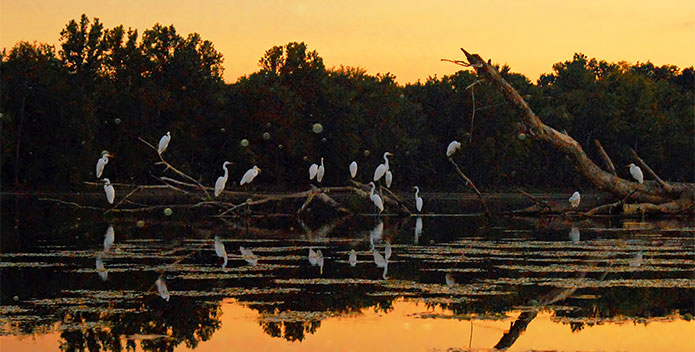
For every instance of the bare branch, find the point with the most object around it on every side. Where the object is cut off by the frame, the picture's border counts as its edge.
(606, 159)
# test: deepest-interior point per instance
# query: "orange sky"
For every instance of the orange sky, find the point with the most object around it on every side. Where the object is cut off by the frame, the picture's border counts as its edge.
(384, 332)
(405, 37)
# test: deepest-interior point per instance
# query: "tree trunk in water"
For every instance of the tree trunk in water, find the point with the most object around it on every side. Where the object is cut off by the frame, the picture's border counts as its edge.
(649, 192)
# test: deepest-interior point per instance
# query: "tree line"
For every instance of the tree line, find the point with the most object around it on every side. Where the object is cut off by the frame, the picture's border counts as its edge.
(102, 88)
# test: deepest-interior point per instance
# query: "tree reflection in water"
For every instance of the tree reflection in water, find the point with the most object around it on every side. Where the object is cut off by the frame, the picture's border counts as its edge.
(494, 269)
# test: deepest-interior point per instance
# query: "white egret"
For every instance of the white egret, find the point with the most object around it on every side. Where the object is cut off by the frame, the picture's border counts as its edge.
(109, 238)
(388, 251)
(164, 143)
(313, 170)
(376, 199)
(220, 251)
(222, 180)
(418, 199)
(319, 173)
(636, 173)
(575, 199)
(388, 178)
(248, 256)
(382, 168)
(452, 148)
(352, 258)
(418, 229)
(102, 162)
(250, 175)
(375, 234)
(162, 289)
(574, 234)
(110, 192)
(353, 169)
(103, 273)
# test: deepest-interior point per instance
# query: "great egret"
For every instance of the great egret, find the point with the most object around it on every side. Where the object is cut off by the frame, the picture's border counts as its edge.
(452, 148)
(109, 238)
(388, 178)
(250, 175)
(164, 143)
(110, 192)
(248, 255)
(382, 168)
(313, 170)
(102, 162)
(418, 199)
(636, 173)
(222, 180)
(574, 234)
(353, 169)
(352, 258)
(101, 271)
(575, 199)
(220, 251)
(162, 289)
(319, 173)
(376, 199)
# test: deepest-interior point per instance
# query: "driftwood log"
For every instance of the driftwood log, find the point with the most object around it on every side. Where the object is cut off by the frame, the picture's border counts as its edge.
(657, 196)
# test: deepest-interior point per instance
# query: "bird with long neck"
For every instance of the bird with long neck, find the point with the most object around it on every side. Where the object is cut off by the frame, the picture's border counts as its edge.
(382, 168)
(222, 180)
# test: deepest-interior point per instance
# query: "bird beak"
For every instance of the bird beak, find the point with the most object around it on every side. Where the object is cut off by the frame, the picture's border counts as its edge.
(391, 154)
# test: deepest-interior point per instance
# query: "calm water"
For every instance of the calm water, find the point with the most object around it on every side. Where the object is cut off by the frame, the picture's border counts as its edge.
(74, 280)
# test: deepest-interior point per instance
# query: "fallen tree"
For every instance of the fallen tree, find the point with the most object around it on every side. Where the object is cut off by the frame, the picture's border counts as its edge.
(658, 196)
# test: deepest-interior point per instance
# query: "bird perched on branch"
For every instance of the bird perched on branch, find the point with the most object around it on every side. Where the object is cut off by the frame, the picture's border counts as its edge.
(110, 192)
(382, 168)
(575, 199)
(353, 169)
(102, 162)
(452, 148)
(222, 180)
(418, 199)
(250, 175)
(636, 173)
(164, 143)
(376, 199)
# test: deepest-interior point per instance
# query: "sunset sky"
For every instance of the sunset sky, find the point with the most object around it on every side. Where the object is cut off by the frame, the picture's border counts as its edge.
(406, 38)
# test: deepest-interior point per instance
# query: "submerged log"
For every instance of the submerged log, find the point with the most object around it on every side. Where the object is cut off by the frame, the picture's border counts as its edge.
(658, 192)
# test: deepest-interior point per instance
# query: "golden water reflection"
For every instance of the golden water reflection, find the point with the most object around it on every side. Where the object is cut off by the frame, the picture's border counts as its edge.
(403, 329)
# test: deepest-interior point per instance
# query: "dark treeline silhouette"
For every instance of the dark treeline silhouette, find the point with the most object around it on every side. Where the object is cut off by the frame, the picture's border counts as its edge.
(103, 88)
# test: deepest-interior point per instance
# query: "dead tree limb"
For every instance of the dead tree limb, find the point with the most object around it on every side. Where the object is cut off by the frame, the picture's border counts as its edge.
(667, 187)
(606, 159)
(470, 184)
(602, 180)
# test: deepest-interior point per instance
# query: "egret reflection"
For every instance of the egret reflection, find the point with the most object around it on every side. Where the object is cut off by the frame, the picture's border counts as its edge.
(162, 289)
(574, 234)
(248, 256)
(220, 251)
(101, 270)
(418, 230)
(352, 258)
(109, 238)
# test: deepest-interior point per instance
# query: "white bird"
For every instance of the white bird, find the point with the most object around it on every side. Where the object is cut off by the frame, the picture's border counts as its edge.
(636, 173)
(248, 255)
(353, 169)
(382, 168)
(313, 170)
(636, 260)
(575, 199)
(109, 238)
(313, 256)
(250, 175)
(376, 199)
(164, 143)
(162, 289)
(352, 258)
(418, 229)
(574, 234)
(319, 173)
(102, 162)
(110, 192)
(452, 148)
(388, 178)
(220, 251)
(388, 251)
(103, 273)
(222, 180)
(418, 199)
